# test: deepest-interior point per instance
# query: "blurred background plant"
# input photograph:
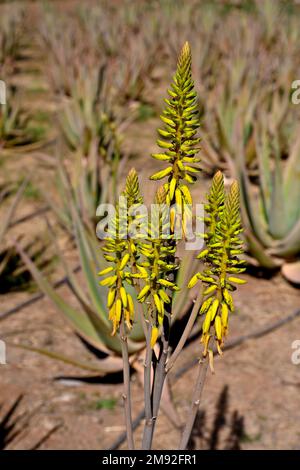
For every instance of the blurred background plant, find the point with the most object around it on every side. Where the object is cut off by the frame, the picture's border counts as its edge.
(271, 214)
(11, 38)
(19, 130)
(14, 274)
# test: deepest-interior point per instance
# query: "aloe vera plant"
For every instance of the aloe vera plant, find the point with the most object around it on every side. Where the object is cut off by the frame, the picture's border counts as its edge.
(18, 131)
(272, 217)
(94, 135)
(11, 29)
(87, 179)
(13, 272)
(252, 80)
(64, 63)
(131, 51)
(9, 214)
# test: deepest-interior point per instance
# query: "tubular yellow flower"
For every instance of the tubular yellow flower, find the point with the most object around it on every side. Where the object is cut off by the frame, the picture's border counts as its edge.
(154, 336)
(180, 124)
(125, 254)
(111, 297)
(130, 306)
(158, 253)
(123, 295)
(144, 292)
(221, 259)
(218, 328)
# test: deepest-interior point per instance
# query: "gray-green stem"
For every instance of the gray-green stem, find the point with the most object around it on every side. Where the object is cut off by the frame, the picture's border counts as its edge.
(196, 399)
(126, 391)
(159, 380)
(148, 391)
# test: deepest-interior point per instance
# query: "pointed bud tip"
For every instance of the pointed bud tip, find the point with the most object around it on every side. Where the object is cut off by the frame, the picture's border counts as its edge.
(160, 196)
(132, 172)
(218, 177)
(186, 48)
(185, 53)
(234, 188)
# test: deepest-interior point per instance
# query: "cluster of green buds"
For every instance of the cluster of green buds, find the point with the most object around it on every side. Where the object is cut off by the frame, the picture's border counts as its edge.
(122, 252)
(157, 252)
(221, 260)
(179, 144)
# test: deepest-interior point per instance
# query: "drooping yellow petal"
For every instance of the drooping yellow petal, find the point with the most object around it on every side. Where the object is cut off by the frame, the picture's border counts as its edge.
(154, 336)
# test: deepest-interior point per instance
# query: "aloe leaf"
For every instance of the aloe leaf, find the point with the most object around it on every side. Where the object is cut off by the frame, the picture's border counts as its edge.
(252, 217)
(89, 266)
(60, 213)
(78, 319)
(263, 156)
(68, 126)
(106, 366)
(277, 226)
(257, 250)
(292, 185)
(94, 172)
(73, 283)
(7, 219)
(290, 245)
(95, 328)
(224, 127)
(86, 196)
(209, 151)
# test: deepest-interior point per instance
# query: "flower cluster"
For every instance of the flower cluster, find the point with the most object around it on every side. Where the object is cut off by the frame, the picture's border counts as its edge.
(122, 252)
(157, 252)
(221, 260)
(179, 141)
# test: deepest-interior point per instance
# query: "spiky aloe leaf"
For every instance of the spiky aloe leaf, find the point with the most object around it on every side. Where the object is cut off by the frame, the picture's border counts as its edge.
(277, 216)
(263, 157)
(9, 215)
(256, 249)
(253, 218)
(89, 267)
(105, 366)
(289, 246)
(291, 182)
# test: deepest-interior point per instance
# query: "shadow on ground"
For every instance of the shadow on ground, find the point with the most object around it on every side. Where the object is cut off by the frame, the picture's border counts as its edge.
(226, 432)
